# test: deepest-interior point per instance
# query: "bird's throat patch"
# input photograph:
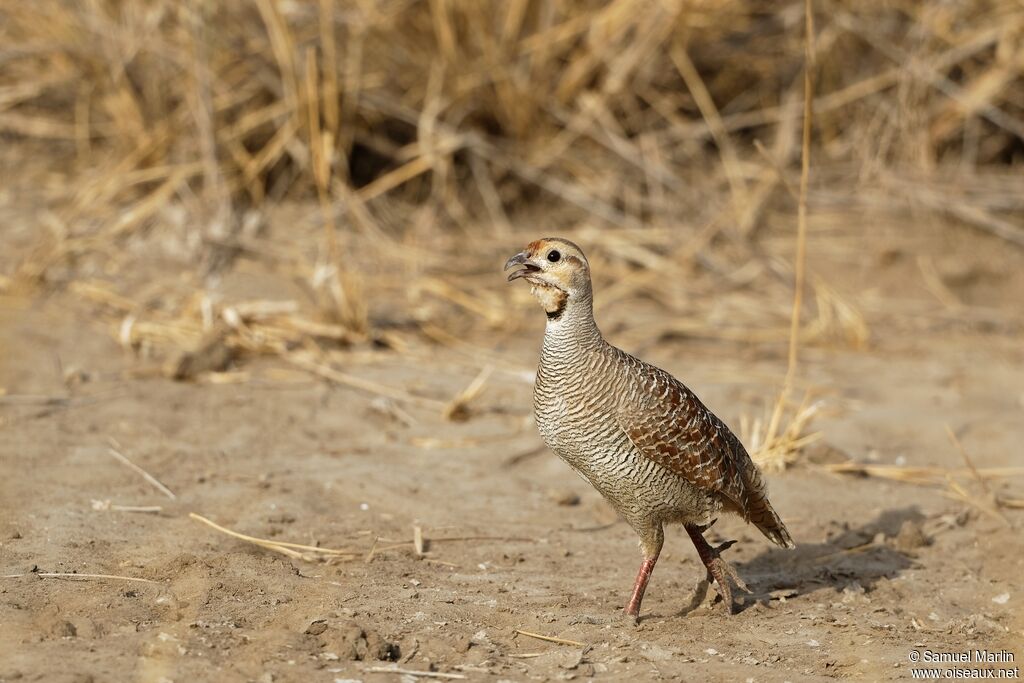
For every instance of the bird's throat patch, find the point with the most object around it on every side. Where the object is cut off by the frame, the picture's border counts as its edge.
(552, 299)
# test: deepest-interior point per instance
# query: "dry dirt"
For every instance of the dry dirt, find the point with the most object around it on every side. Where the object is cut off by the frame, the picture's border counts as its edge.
(514, 540)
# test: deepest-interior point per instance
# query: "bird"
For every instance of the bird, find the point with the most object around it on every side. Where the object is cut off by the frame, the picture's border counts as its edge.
(644, 440)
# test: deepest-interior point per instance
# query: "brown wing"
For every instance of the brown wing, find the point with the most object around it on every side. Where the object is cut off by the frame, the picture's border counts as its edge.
(668, 424)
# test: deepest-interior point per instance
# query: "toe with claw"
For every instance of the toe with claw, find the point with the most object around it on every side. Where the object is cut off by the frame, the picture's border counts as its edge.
(719, 571)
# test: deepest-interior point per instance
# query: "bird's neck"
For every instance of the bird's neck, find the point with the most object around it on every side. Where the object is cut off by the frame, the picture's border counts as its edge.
(572, 325)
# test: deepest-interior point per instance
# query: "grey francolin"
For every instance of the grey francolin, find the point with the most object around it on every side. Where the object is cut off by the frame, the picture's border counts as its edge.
(636, 433)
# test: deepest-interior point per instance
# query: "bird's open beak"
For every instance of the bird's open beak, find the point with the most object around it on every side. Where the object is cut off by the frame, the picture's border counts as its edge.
(520, 259)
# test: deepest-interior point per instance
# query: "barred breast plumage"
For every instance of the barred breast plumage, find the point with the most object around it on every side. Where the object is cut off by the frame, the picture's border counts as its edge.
(637, 434)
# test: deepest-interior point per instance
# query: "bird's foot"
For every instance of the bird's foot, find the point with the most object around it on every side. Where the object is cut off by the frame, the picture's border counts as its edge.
(722, 573)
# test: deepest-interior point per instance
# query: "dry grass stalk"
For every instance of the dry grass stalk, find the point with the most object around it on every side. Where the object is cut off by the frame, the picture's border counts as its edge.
(775, 450)
(307, 553)
(413, 673)
(923, 476)
(373, 550)
(708, 110)
(956, 492)
(823, 559)
(369, 386)
(478, 354)
(774, 447)
(418, 543)
(489, 310)
(837, 318)
(103, 505)
(521, 456)
(458, 408)
(115, 451)
(990, 502)
(82, 577)
(943, 479)
(436, 443)
(550, 639)
(805, 174)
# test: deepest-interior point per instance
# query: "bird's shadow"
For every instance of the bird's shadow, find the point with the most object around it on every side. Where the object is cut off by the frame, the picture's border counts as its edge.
(853, 556)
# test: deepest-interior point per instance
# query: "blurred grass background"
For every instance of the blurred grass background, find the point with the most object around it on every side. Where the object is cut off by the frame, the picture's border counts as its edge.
(382, 157)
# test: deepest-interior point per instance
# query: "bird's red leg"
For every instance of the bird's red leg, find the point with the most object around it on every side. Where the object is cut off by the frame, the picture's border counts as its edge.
(718, 569)
(642, 577)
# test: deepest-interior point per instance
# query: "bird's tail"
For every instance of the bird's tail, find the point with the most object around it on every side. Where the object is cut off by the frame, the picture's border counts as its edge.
(767, 520)
(760, 512)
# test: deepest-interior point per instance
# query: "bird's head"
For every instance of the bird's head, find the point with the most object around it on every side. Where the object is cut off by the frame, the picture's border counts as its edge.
(558, 271)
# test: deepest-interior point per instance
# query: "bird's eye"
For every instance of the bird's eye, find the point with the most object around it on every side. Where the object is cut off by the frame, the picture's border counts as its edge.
(554, 256)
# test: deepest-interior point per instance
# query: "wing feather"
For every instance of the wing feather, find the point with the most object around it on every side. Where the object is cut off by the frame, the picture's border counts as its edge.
(668, 424)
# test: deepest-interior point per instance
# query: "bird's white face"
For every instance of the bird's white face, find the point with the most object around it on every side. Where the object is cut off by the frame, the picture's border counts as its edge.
(557, 269)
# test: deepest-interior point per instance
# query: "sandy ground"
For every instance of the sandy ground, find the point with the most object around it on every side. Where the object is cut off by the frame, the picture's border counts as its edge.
(514, 540)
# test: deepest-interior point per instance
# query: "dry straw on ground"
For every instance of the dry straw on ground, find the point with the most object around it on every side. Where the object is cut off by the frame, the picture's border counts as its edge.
(297, 551)
(946, 480)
